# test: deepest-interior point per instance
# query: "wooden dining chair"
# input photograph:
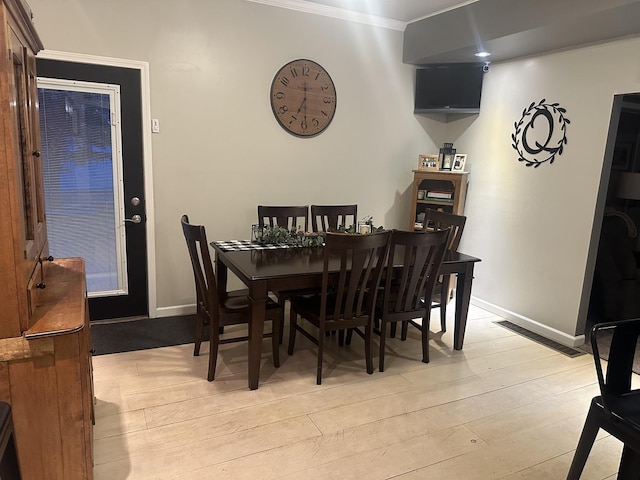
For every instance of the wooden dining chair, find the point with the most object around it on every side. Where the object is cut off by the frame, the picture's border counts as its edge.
(437, 220)
(406, 287)
(617, 408)
(327, 218)
(232, 309)
(348, 301)
(289, 217)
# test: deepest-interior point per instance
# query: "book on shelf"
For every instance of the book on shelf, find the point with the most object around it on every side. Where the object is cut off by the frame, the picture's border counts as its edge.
(440, 194)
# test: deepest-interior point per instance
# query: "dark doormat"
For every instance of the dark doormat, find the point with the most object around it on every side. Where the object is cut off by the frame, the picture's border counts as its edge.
(141, 334)
(568, 351)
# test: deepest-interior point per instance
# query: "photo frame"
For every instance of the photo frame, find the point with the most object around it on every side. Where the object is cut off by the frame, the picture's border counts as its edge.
(447, 161)
(428, 162)
(458, 162)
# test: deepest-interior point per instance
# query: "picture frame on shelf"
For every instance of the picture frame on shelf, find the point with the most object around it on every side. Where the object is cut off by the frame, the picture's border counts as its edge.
(447, 161)
(458, 162)
(428, 162)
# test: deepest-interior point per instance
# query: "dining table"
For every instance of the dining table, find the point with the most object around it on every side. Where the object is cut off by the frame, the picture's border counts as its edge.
(270, 268)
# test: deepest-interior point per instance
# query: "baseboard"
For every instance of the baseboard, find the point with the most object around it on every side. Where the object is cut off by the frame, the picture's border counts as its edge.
(531, 325)
(175, 310)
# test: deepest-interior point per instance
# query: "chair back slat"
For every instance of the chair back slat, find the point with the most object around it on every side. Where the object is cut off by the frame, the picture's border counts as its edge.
(289, 217)
(328, 218)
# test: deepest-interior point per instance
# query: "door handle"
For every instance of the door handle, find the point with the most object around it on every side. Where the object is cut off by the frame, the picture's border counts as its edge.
(134, 219)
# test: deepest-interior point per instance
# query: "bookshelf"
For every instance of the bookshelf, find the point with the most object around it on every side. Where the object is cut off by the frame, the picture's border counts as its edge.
(438, 190)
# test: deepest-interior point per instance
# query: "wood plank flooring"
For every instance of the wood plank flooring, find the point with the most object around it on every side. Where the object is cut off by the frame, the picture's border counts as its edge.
(502, 408)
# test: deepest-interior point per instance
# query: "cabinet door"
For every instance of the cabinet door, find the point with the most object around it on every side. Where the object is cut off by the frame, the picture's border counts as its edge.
(29, 220)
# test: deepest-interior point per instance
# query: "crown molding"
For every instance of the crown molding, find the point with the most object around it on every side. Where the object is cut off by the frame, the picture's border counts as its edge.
(334, 12)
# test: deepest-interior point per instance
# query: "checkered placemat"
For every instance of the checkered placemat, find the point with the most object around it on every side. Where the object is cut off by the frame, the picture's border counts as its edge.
(235, 245)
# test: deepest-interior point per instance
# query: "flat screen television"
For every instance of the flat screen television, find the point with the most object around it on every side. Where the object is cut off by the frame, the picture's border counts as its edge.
(449, 88)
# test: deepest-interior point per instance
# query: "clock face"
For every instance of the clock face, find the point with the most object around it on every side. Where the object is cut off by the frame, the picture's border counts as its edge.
(303, 98)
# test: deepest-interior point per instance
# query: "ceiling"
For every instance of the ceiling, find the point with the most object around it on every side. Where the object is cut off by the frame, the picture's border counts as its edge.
(447, 31)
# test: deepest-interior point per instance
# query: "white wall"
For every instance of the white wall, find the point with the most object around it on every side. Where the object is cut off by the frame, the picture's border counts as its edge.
(532, 227)
(220, 151)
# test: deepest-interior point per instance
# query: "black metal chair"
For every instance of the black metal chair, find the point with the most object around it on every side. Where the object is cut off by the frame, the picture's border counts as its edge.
(406, 288)
(617, 408)
(217, 312)
(348, 302)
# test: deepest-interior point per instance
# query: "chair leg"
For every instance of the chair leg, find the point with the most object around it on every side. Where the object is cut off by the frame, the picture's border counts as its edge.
(341, 338)
(214, 340)
(444, 299)
(293, 327)
(368, 333)
(383, 334)
(276, 335)
(588, 436)
(320, 352)
(392, 329)
(198, 333)
(426, 320)
(405, 329)
(629, 465)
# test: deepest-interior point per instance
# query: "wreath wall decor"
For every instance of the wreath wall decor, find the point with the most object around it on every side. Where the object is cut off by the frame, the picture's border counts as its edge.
(540, 134)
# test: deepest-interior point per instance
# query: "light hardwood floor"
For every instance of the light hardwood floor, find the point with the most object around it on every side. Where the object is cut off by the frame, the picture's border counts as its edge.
(504, 407)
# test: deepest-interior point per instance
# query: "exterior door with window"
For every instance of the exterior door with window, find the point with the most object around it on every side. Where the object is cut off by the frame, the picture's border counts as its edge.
(91, 129)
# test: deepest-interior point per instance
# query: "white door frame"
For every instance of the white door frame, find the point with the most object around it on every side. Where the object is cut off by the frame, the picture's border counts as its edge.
(143, 67)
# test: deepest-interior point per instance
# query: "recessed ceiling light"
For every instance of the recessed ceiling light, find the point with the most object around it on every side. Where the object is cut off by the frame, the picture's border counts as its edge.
(482, 54)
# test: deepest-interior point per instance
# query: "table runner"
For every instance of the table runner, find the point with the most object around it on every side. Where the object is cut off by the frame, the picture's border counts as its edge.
(235, 245)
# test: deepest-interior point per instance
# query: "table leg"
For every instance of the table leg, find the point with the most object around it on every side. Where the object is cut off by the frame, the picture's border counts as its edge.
(463, 297)
(221, 277)
(257, 311)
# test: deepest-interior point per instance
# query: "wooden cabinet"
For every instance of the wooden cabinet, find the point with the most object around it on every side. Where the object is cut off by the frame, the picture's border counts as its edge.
(45, 362)
(437, 190)
(23, 234)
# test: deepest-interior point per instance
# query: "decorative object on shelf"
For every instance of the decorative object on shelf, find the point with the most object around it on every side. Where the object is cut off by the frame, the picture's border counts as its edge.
(541, 144)
(421, 194)
(445, 157)
(303, 98)
(428, 162)
(458, 162)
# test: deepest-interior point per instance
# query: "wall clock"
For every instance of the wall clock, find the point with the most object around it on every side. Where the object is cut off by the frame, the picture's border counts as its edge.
(303, 98)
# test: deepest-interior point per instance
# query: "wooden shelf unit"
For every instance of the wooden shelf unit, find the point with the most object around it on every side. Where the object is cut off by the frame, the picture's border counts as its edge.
(455, 182)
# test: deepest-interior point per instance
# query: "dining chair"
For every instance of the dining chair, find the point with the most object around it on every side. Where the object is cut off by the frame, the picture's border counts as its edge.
(218, 312)
(406, 287)
(327, 218)
(617, 408)
(348, 301)
(437, 220)
(289, 217)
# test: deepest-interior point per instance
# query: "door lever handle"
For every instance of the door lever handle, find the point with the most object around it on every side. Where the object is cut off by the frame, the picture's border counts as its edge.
(134, 219)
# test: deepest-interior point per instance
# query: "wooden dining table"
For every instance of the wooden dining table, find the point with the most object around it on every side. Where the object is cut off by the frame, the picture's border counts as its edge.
(269, 268)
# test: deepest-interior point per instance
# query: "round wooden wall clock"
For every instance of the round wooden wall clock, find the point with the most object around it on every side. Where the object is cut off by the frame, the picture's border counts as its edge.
(303, 98)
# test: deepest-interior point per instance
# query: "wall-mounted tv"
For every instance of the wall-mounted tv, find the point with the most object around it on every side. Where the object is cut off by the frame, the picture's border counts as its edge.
(449, 88)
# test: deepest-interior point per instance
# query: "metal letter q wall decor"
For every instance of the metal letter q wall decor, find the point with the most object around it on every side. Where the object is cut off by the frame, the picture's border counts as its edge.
(541, 133)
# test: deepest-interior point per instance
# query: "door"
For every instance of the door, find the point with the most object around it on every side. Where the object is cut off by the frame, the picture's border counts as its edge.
(91, 128)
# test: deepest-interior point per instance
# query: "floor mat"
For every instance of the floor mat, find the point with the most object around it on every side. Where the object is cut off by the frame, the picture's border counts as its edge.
(568, 351)
(141, 334)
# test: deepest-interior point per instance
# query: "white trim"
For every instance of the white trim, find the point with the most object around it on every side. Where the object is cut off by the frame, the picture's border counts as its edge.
(176, 310)
(335, 12)
(146, 150)
(531, 325)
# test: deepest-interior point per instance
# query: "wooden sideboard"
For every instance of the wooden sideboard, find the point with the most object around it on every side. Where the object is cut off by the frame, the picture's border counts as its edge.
(45, 360)
(46, 377)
